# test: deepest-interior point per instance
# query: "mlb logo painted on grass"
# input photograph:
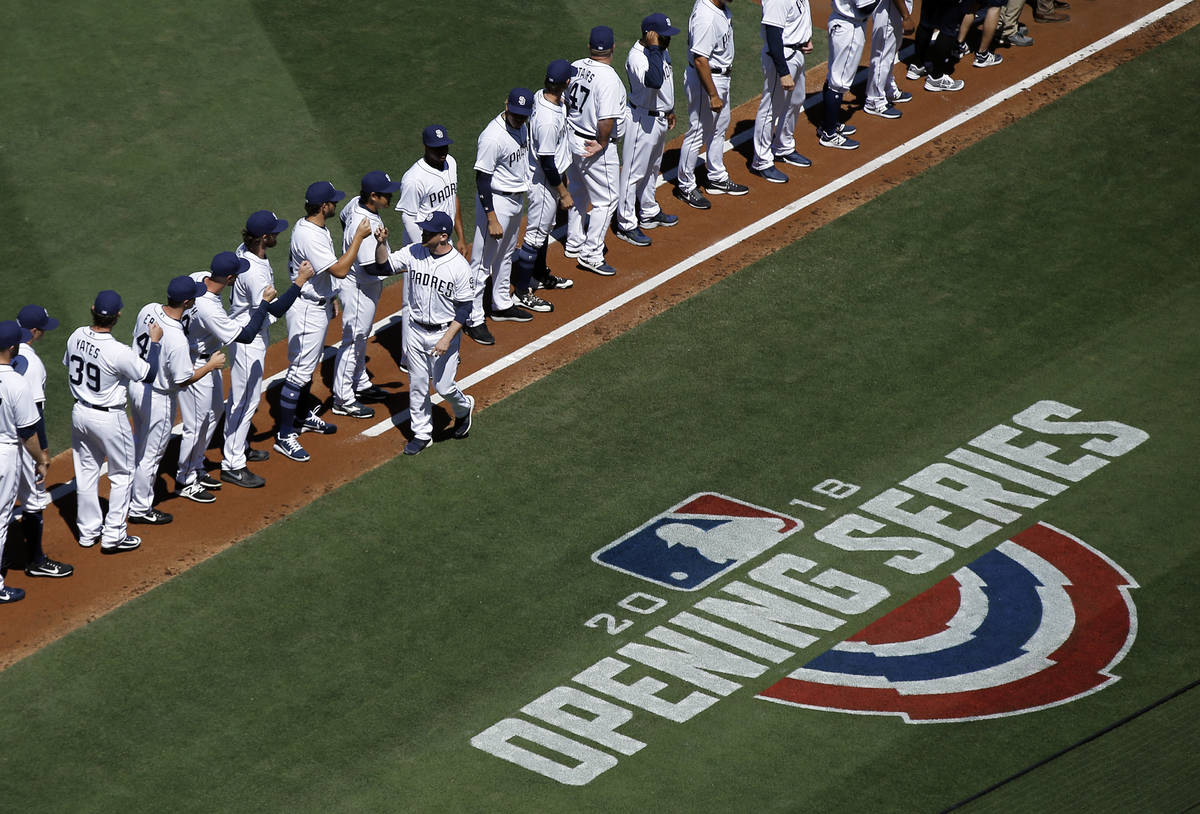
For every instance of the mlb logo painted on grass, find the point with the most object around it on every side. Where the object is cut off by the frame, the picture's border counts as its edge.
(693, 543)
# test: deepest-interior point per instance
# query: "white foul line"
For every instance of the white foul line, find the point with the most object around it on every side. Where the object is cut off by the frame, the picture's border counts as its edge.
(793, 208)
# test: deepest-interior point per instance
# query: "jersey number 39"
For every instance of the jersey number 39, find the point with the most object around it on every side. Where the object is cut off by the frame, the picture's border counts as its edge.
(79, 369)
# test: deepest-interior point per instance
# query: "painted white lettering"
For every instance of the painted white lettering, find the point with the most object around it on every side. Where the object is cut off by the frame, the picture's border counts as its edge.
(642, 693)
(720, 633)
(1124, 437)
(1036, 455)
(861, 595)
(839, 490)
(692, 660)
(589, 762)
(979, 494)
(1006, 471)
(769, 614)
(601, 727)
(928, 520)
(841, 534)
(641, 603)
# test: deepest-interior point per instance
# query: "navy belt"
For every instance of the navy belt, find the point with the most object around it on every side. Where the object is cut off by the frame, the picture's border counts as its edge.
(717, 71)
(656, 114)
(795, 46)
(431, 326)
(96, 406)
(583, 135)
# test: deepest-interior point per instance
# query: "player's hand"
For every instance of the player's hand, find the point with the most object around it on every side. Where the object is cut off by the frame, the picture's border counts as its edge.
(270, 293)
(495, 230)
(671, 120)
(381, 234)
(787, 82)
(716, 102)
(42, 470)
(461, 246)
(217, 360)
(304, 273)
(443, 345)
(363, 231)
(652, 38)
(155, 332)
(591, 147)
(566, 201)
(806, 48)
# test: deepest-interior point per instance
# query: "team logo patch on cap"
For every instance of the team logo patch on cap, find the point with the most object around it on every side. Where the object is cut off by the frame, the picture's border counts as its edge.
(1039, 621)
(690, 545)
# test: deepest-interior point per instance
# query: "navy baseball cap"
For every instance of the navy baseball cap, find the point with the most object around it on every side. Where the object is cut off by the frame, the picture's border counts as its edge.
(659, 24)
(35, 316)
(226, 265)
(435, 136)
(12, 334)
(559, 72)
(322, 192)
(520, 101)
(379, 182)
(437, 222)
(601, 38)
(184, 287)
(108, 304)
(264, 222)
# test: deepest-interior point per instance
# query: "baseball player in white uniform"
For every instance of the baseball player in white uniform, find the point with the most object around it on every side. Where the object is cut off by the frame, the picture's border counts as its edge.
(549, 158)
(19, 420)
(440, 289)
(99, 369)
(887, 30)
(847, 35)
(31, 491)
(597, 115)
(154, 402)
(787, 37)
(652, 114)
(706, 80)
(246, 372)
(430, 185)
(502, 177)
(209, 327)
(311, 249)
(360, 293)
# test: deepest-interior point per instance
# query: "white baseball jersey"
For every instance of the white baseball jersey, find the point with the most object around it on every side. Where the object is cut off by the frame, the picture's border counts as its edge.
(548, 135)
(425, 190)
(504, 154)
(434, 283)
(350, 215)
(17, 408)
(175, 358)
(710, 34)
(644, 98)
(595, 93)
(248, 290)
(314, 244)
(209, 326)
(853, 9)
(790, 15)
(99, 368)
(35, 373)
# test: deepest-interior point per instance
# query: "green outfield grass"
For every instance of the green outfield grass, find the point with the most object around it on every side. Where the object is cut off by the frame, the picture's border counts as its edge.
(344, 658)
(141, 137)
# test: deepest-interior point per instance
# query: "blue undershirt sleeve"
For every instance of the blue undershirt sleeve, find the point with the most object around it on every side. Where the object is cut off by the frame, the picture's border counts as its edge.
(774, 37)
(251, 329)
(655, 74)
(152, 360)
(549, 170)
(462, 312)
(483, 184)
(280, 304)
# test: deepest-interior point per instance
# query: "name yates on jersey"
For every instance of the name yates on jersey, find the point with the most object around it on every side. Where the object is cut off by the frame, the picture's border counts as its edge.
(1025, 623)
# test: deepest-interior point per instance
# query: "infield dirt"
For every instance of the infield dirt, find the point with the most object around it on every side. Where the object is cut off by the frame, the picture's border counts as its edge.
(56, 607)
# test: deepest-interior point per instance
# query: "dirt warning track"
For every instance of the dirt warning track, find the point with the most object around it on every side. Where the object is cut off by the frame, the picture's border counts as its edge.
(702, 249)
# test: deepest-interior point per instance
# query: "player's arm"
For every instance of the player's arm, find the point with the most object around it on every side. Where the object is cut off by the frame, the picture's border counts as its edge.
(462, 312)
(655, 73)
(341, 266)
(460, 239)
(901, 6)
(604, 131)
(483, 186)
(555, 179)
(154, 355)
(277, 306)
(30, 437)
(401, 260)
(215, 362)
(773, 34)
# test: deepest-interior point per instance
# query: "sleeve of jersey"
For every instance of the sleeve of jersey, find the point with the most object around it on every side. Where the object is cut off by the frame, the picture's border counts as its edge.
(703, 40)
(463, 290)
(317, 250)
(25, 412)
(132, 366)
(401, 260)
(408, 195)
(654, 68)
(178, 362)
(774, 37)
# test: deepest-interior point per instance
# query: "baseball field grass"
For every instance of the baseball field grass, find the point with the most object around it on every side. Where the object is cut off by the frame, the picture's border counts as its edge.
(345, 658)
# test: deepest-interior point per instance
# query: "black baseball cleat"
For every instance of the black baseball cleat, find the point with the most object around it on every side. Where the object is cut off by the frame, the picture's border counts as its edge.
(153, 517)
(243, 477)
(372, 393)
(417, 446)
(10, 594)
(692, 198)
(46, 567)
(208, 481)
(463, 425)
(128, 544)
(255, 456)
(726, 187)
(480, 334)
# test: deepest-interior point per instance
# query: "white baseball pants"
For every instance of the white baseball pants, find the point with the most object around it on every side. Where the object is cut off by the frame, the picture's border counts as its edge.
(424, 367)
(778, 111)
(98, 436)
(886, 34)
(201, 405)
(642, 159)
(846, 40)
(153, 414)
(306, 326)
(705, 129)
(245, 390)
(594, 182)
(10, 477)
(492, 257)
(358, 315)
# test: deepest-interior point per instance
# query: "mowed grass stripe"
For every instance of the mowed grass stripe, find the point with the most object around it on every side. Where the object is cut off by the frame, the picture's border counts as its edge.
(345, 657)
